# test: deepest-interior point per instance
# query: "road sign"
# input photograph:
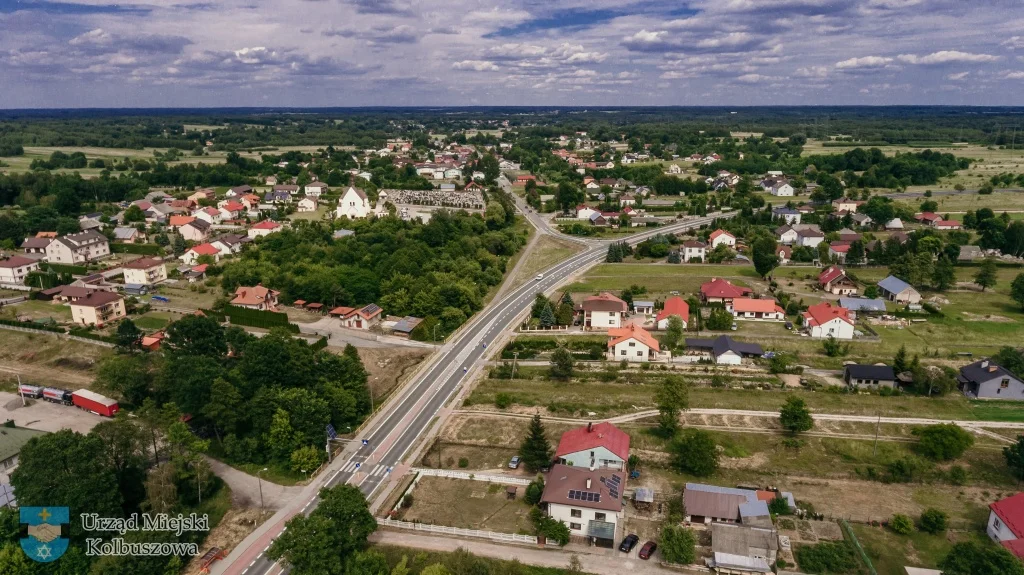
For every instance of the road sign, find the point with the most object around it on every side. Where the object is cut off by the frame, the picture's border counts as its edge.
(357, 465)
(366, 442)
(389, 470)
(331, 433)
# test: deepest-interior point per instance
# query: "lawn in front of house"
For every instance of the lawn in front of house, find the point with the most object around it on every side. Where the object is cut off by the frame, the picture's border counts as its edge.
(660, 279)
(37, 310)
(468, 504)
(890, 552)
(153, 320)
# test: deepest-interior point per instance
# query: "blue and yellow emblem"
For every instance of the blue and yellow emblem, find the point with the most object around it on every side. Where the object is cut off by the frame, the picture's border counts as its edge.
(44, 542)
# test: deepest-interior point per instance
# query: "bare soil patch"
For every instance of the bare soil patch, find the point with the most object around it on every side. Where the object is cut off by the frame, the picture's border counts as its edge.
(236, 525)
(968, 316)
(386, 366)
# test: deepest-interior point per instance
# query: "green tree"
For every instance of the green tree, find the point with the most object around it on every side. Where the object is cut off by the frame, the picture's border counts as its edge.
(282, 438)
(134, 214)
(435, 569)
(976, 558)
(986, 276)
(1014, 455)
(765, 256)
(899, 361)
(547, 316)
(14, 560)
(223, 409)
(943, 275)
(562, 363)
(673, 332)
(307, 546)
(719, 319)
(535, 450)
(67, 469)
(534, 491)
(178, 245)
(871, 292)
(834, 348)
(901, 524)
(933, 521)
(307, 459)
(794, 415)
(695, 452)
(195, 335)
(1017, 289)
(678, 545)
(943, 442)
(672, 398)
(128, 336)
(124, 451)
(125, 375)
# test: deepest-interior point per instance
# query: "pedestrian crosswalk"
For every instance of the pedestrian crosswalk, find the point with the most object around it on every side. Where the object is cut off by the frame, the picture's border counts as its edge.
(355, 466)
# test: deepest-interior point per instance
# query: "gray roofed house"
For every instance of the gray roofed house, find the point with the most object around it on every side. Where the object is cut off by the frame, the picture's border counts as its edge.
(863, 304)
(987, 380)
(405, 325)
(745, 540)
(127, 234)
(896, 290)
(725, 349)
(737, 564)
(873, 376)
(35, 245)
(12, 439)
(710, 503)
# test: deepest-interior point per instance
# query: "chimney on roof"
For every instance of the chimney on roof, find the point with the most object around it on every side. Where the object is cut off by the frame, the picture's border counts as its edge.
(590, 427)
(588, 483)
(992, 369)
(984, 364)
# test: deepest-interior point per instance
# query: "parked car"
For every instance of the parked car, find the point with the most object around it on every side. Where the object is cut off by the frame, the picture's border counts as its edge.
(734, 326)
(629, 543)
(514, 463)
(647, 550)
(540, 277)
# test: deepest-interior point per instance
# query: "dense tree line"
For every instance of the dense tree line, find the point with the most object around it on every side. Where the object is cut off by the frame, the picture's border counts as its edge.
(439, 271)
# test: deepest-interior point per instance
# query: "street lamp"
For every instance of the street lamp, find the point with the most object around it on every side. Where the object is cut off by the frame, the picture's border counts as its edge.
(260, 481)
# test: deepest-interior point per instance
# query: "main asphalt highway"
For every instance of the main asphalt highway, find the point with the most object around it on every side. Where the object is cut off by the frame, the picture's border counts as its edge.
(404, 420)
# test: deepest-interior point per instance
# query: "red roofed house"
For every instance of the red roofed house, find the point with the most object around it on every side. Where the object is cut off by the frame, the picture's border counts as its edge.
(210, 215)
(722, 237)
(361, 318)
(632, 343)
(834, 281)
(603, 311)
(1005, 522)
(192, 255)
(766, 309)
(838, 250)
(264, 228)
(719, 290)
(946, 224)
(827, 320)
(927, 217)
(674, 305)
(598, 445)
(785, 254)
(257, 297)
(525, 178)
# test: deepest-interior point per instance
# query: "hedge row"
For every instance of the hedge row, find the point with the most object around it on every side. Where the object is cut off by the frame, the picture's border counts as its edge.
(32, 325)
(65, 268)
(141, 249)
(259, 318)
(319, 344)
(79, 332)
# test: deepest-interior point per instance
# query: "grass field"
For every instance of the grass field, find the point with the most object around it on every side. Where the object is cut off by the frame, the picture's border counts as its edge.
(547, 252)
(890, 552)
(317, 215)
(42, 359)
(153, 320)
(37, 310)
(468, 504)
(997, 201)
(659, 279)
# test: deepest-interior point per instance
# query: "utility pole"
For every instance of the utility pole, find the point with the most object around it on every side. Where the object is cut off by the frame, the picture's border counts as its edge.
(515, 356)
(874, 447)
(23, 403)
(260, 481)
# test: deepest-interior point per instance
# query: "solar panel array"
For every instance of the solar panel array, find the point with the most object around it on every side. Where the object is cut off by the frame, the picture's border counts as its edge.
(584, 495)
(371, 309)
(613, 484)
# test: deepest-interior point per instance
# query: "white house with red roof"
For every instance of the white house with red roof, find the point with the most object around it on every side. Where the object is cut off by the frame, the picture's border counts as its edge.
(264, 228)
(359, 318)
(722, 291)
(838, 251)
(828, 320)
(927, 217)
(757, 309)
(1006, 523)
(722, 237)
(603, 311)
(634, 344)
(674, 306)
(598, 445)
(209, 215)
(946, 224)
(835, 281)
(583, 212)
(191, 257)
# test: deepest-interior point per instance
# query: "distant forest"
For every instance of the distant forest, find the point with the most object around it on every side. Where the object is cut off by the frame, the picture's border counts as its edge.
(254, 128)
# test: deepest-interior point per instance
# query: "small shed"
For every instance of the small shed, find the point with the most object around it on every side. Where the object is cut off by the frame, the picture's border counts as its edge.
(135, 289)
(315, 307)
(510, 491)
(299, 303)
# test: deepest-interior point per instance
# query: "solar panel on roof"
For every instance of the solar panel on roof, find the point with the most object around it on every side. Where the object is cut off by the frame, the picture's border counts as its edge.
(371, 308)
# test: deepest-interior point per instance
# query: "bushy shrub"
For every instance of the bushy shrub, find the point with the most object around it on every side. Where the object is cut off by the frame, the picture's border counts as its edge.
(901, 524)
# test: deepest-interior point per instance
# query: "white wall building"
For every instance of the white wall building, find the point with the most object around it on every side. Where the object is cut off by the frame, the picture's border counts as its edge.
(353, 204)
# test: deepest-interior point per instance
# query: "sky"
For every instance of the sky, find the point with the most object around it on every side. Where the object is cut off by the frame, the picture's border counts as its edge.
(309, 53)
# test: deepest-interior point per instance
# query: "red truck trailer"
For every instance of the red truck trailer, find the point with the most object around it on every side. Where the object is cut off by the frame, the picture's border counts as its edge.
(94, 402)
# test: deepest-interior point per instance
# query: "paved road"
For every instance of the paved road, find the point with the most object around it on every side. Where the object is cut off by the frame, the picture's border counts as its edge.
(390, 437)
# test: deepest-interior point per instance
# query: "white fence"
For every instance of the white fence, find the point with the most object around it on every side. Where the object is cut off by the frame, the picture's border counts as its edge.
(63, 335)
(507, 480)
(491, 535)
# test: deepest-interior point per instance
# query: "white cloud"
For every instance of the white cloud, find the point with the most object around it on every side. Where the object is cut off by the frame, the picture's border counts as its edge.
(476, 65)
(957, 76)
(1013, 42)
(864, 62)
(946, 57)
(1016, 75)
(812, 72)
(756, 78)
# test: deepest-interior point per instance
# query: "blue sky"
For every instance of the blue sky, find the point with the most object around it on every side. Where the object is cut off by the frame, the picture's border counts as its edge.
(182, 53)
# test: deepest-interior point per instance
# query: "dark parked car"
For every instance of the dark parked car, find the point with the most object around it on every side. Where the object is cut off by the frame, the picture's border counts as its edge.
(629, 543)
(648, 549)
